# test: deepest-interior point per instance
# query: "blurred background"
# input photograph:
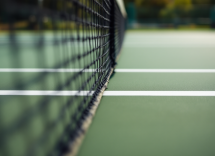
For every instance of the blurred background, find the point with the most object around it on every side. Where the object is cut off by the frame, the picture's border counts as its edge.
(179, 14)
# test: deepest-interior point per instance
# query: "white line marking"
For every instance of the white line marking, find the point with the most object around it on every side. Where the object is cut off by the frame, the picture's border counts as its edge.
(45, 93)
(165, 70)
(168, 46)
(159, 93)
(107, 93)
(49, 70)
(32, 70)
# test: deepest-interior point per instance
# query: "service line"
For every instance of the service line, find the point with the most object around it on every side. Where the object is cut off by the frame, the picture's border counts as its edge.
(52, 70)
(165, 70)
(106, 93)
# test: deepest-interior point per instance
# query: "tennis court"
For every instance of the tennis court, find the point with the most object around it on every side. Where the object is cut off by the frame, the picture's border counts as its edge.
(55, 62)
(159, 121)
(74, 83)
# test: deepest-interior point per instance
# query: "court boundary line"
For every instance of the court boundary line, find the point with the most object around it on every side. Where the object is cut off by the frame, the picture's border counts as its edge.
(48, 70)
(165, 70)
(52, 70)
(105, 93)
(167, 46)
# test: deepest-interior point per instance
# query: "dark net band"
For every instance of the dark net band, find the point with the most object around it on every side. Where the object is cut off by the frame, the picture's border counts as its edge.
(59, 54)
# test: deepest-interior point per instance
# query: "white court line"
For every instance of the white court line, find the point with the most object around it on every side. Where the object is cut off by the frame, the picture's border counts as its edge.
(168, 46)
(165, 70)
(45, 93)
(49, 70)
(107, 93)
(159, 93)
(116, 70)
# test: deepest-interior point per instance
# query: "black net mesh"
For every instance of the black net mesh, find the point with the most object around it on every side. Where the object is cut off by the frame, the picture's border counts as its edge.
(55, 56)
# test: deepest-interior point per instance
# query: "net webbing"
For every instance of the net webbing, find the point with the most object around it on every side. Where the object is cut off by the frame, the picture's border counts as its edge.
(56, 56)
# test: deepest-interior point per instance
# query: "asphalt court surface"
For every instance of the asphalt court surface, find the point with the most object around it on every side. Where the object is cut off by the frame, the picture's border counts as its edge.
(152, 125)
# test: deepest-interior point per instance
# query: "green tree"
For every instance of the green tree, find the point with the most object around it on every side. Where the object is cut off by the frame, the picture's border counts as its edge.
(147, 3)
(176, 8)
(200, 2)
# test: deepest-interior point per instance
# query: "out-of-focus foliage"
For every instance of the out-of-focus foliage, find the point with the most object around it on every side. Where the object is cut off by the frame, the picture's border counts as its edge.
(202, 2)
(163, 3)
(155, 3)
(182, 3)
(176, 7)
(152, 9)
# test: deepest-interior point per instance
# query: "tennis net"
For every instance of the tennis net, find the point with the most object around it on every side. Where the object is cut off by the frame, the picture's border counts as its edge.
(56, 59)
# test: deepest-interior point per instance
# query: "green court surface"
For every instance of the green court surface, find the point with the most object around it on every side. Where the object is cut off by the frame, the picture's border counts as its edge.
(158, 125)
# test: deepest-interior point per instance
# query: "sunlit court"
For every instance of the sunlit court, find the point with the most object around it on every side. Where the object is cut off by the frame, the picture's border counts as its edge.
(107, 78)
